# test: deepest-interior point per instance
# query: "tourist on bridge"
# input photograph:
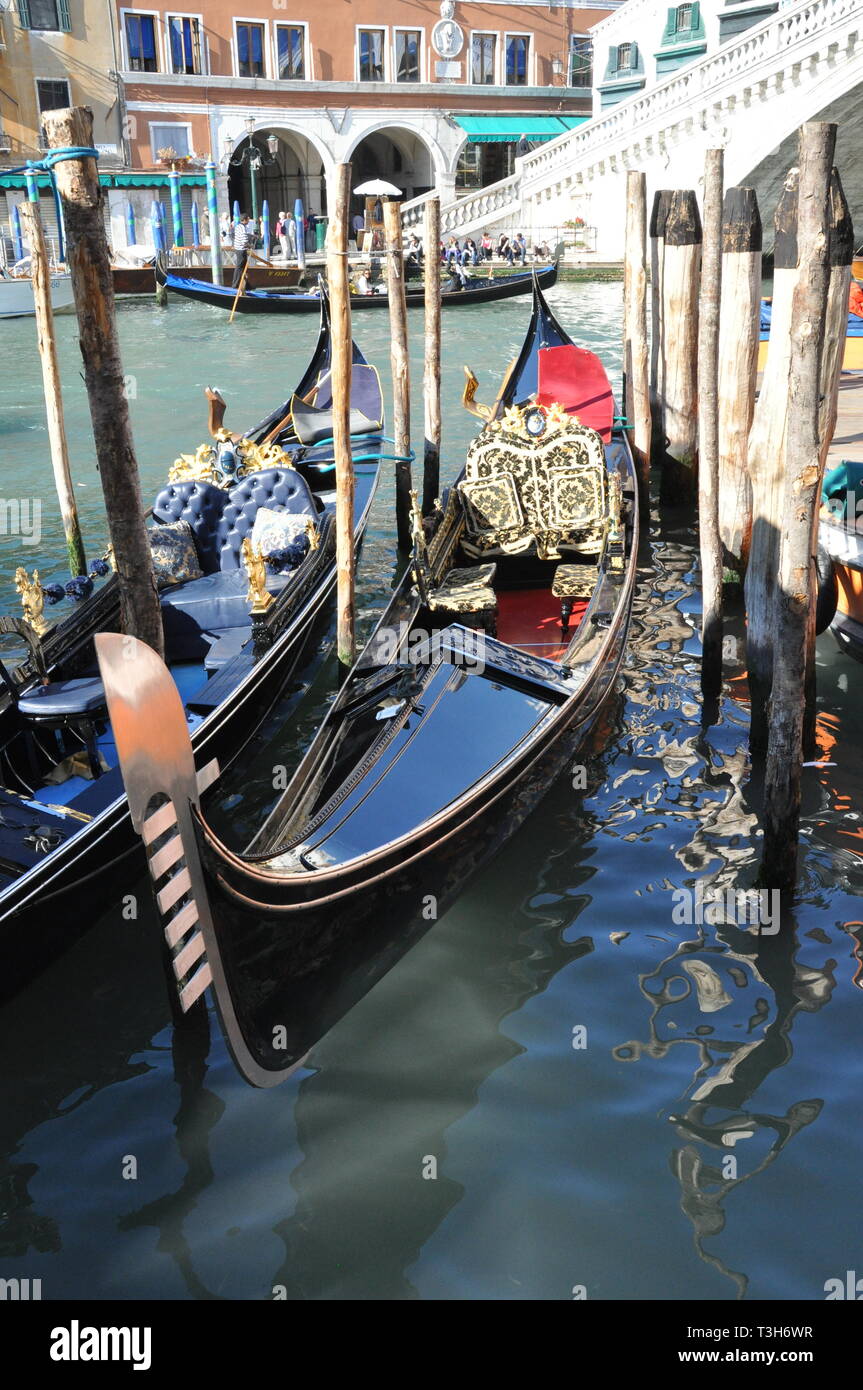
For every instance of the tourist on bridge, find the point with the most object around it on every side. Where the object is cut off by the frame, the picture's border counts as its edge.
(504, 248)
(487, 246)
(470, 254)
(519, 248)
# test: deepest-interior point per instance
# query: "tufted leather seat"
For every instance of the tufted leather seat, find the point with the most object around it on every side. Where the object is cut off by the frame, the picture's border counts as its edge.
(221, 520)
(63, 699)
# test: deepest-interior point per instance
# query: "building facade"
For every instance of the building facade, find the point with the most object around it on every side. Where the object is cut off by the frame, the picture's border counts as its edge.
(644, 42)
(425, 95)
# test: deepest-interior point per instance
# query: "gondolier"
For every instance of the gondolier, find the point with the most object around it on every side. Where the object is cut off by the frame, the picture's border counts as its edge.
(245, 237)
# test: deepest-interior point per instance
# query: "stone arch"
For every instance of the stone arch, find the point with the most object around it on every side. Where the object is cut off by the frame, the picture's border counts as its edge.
(403, 138)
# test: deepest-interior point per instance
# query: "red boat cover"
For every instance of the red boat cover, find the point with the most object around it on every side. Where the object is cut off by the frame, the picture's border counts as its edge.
(577, 380)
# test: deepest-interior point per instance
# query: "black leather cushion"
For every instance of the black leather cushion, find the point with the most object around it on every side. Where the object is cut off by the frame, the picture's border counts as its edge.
(201, 506)
(274, 487)
(86, 695)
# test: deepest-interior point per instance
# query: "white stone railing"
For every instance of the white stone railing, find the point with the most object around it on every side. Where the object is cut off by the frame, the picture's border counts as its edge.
(759, 54)
(469, 210)
(756, 54)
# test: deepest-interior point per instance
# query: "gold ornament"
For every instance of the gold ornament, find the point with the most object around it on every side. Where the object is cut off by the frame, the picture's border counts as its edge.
(32, 600)
(204, 465)
(313, 534)
(256, 569)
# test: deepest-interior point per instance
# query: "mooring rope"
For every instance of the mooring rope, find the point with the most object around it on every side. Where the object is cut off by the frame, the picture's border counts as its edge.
(46, 166)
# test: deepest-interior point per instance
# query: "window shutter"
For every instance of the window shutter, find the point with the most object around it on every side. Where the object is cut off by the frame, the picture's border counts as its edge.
(633, 59)
(696, 16)
(63, 15)
(670, 27)
(24, 13)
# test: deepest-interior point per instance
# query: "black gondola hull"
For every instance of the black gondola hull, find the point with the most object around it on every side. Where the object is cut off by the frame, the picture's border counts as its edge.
(271, 302)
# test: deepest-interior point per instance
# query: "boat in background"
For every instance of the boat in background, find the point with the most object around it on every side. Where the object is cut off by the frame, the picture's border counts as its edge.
(840, 538)
(852, 360)
(482, 681)
(140, 278)
(244, 551)
(270, 301)
(16, 295)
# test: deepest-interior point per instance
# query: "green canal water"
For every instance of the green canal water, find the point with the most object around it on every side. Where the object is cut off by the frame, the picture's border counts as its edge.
(563, 1085)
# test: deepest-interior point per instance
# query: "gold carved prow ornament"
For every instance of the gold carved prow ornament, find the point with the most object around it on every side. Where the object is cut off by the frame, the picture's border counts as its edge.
(313, 534)
(32, 600)
(256, 569)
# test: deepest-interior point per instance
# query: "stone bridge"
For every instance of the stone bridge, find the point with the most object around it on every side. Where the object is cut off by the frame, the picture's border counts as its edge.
(803, 63)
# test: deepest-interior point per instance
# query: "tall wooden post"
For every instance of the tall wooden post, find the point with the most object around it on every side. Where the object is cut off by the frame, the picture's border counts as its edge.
(739, 329)
(796, 590)
(679, 394)
(341, 358)
(636, 391)
(708, 426)
(89, 262)
(767, 443)
(400, 366)
(658, 215)
(53, 391)
(431, 374)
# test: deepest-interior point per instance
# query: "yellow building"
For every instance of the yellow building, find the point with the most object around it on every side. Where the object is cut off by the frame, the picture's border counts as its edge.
(57, 53)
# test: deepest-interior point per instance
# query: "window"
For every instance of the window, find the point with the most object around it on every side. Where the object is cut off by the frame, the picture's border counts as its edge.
(517, 58)
(624, 57)
(683, 19)
(290, 52)
(408, 43)
(468, 172)
(580, 61)
(184, 43)
(52, 94)
(170, 136)
(141, 42)
(483, 57)
(371, 46)
(250, 50)
(44, 14)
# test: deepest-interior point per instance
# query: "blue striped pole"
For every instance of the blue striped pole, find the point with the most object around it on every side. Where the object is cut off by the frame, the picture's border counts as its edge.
(156, 224)
(17, 240)
(236, 213)
(265, 227)
(215, 230)
(131, 234)
(176, 207)
(196, 226)
(300, 215)
(32, 185)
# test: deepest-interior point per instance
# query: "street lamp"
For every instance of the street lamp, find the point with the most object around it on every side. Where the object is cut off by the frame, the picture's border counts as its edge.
(255, 156)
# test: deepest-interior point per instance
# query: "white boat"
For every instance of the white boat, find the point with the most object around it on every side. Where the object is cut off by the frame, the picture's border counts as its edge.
(16, 295)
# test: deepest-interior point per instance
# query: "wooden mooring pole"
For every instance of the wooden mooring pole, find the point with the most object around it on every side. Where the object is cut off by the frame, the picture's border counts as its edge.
(431, 373)
(679, 336)
(658, 215)
(836, 320)
(341, 359)
(41, 274)
(89, 262)
(767, 444)
(794, 610)
(708, 426)
(739, 329)
(400, 366)
(636, 389)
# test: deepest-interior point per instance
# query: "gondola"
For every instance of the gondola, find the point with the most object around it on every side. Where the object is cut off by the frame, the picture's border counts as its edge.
(480, 684)
(236, 625)
(852, 355)
(267, 301)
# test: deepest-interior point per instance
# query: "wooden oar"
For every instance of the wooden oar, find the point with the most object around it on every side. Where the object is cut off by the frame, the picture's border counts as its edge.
(239, 290)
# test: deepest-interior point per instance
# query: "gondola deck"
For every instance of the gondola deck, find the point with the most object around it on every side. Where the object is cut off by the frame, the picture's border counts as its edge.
(443, 738)
(65, 834)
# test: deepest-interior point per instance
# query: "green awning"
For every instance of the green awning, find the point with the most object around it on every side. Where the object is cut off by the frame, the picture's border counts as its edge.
(158, 180)
(488, 130)
(113, 180)
(19, 181)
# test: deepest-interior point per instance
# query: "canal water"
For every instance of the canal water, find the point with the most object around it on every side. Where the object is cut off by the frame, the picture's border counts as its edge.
(566, 1087)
